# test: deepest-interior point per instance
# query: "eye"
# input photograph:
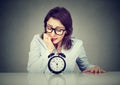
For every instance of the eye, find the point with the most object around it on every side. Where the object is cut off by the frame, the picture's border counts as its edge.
(59, 29)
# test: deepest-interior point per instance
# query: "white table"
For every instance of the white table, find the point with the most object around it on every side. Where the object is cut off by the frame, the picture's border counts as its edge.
(110, 78)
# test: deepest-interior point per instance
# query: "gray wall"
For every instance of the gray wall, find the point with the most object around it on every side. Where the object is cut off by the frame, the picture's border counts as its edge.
(96, 22)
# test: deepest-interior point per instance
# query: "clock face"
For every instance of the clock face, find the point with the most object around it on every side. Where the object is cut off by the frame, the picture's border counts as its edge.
(56, 64)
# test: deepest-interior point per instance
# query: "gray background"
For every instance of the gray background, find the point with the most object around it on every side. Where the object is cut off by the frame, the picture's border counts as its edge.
(96, 22)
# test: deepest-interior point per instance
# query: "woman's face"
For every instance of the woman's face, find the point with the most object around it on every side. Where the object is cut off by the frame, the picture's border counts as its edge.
(56, 30)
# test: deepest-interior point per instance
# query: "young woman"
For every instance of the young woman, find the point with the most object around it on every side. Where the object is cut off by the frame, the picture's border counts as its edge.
(57, 38)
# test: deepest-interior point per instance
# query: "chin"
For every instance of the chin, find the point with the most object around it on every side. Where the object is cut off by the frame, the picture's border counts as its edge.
(55, 42)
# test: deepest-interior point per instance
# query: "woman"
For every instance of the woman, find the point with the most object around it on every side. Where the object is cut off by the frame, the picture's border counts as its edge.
(57, 37)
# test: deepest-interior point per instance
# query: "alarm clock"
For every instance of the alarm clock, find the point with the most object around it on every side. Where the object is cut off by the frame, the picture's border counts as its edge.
(56, 63)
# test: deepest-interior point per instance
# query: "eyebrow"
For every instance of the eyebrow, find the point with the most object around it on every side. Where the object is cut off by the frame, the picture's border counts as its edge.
(55, 27)
(49, 25)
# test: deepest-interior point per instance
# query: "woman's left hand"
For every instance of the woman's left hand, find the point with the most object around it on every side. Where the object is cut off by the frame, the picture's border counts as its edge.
(95, 69)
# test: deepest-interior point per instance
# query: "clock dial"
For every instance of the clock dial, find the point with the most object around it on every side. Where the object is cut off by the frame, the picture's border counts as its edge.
(56, 64)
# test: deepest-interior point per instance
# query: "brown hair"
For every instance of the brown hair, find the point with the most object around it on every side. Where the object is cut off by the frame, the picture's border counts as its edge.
(64, 16)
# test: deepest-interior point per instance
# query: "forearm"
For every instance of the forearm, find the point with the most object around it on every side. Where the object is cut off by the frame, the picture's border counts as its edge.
(83, 63)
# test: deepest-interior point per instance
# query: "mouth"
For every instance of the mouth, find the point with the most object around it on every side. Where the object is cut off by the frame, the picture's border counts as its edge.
(53, 39)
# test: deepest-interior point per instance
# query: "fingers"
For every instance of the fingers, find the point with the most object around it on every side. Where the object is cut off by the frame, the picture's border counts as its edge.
(46, 37)
(48, 42)
(86, 71)
(95, 70)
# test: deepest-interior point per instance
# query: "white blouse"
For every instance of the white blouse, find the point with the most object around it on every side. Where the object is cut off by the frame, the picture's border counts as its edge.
(38, 56)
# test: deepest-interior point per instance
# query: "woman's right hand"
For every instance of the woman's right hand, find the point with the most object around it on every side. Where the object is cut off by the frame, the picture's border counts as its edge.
(48, 42)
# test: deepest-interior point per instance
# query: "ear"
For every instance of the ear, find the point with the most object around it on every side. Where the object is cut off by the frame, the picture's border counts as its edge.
(61, 54)
(50, 55)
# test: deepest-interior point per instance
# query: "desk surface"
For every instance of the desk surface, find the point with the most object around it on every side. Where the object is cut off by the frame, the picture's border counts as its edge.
(110, 78)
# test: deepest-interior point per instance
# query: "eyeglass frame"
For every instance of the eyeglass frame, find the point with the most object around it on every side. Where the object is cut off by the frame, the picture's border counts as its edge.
(54, 29)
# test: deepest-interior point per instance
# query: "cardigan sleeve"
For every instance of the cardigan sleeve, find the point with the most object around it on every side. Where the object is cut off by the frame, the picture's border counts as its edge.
(82, 59)
(38, 56)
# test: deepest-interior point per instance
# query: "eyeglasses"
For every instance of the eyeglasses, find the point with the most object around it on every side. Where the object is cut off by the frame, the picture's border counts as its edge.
(57, 30)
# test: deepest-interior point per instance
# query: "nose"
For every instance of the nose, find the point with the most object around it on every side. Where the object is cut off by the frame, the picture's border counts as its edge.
(53, 33)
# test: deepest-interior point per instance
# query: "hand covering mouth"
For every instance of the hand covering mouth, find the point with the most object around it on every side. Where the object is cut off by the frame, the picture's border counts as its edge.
(53, 39)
